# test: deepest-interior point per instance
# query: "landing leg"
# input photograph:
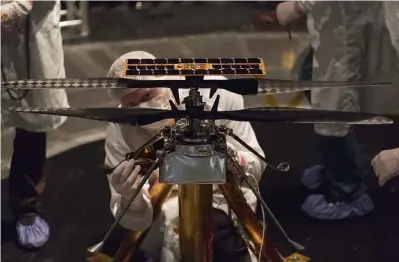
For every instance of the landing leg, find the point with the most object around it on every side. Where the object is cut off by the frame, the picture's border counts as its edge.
(246, 216)
(133, 239)
(195, 223)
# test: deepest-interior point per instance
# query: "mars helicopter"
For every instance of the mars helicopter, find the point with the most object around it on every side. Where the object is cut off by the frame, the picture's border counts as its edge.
(196, 137)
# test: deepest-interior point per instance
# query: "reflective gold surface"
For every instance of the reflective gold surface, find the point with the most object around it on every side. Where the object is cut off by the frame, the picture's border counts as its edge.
(195, 223)
(240, 229)
(100, 257)
(249, 221)
(296, 257)
(288, 59)
(133, 239)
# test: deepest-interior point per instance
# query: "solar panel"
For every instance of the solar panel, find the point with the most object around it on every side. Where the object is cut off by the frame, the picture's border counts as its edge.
(194, 67)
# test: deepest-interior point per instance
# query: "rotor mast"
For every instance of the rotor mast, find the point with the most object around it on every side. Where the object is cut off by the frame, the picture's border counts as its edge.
(194, 105)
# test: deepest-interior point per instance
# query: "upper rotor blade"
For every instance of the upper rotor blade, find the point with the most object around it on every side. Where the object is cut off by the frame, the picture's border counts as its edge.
(239, 86)
(298, 115)
(90, 83)
(132, 116)
(276, 86)
(246, 86)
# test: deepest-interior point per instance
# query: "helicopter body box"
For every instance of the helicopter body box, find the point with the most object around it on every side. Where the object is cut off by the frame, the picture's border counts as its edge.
(193, 164)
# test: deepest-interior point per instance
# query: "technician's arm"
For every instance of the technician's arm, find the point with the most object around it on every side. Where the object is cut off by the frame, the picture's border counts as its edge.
(140, 213)
(289, 12)
(250, 163)
(15, 10)
(286, 12)
(307, 6)
(13, 13)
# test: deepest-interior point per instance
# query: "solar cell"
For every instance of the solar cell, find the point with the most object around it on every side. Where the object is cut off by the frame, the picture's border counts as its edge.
(187, 72)
(241, 60)
(186, 60)
(147, 61)
(242, 71)
(133, 61)
(253, 60)
(133, 72)
(214, 72)
(172, 60)
(227, 60)
(173, 72)
(201, 60)
(160, 61)
(194, 66)
(255, 72)
(214, 60)
(228, 71)
(146, 72)
(201, 72)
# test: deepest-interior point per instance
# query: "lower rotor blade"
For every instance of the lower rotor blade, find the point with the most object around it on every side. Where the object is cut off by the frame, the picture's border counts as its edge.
(132, 116)
(298, 115)
(144, 116)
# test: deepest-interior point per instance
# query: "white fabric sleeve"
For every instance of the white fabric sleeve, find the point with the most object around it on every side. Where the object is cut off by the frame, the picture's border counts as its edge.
(13, 15)
(140, 214)
(15, 11)
(391, 9)
(250, 163)
(310, 7)
(306, 6)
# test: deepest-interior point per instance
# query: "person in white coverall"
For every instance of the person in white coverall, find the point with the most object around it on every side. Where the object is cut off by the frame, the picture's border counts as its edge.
(162, 241)
(31, 47)
(386, 163)
(347, 39)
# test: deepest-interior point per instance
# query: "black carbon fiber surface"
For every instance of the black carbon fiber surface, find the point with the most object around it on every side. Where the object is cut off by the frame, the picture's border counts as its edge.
(142, 116)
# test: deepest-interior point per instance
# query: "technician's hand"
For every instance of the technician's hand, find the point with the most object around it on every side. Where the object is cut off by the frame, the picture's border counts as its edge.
(386, 165)
(288, 12)
(125, 179)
